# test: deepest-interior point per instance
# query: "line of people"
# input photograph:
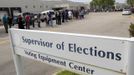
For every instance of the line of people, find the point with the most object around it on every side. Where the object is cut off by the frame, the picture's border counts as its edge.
(23, 21)
(62, 16)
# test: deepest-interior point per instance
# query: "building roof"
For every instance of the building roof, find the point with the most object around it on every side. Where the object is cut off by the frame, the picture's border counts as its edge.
(70, 3)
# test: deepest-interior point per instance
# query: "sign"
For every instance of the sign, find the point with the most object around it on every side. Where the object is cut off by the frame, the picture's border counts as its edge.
(89, 54)
(64, 63)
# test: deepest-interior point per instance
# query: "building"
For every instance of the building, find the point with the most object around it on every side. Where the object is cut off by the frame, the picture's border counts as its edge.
(75, 5)
(54, 4)
(11, 7)
(120, 6)
(61, 4)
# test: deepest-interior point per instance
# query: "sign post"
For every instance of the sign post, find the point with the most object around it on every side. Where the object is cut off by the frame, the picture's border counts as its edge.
(85, 54)
(17, 58)
(131, 57)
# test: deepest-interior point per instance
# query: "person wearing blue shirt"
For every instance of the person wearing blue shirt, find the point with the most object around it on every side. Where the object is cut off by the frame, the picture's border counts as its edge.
(5, 22)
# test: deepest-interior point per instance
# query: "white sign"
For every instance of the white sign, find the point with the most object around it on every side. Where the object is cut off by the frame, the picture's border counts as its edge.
(94, 53)
(64, 63)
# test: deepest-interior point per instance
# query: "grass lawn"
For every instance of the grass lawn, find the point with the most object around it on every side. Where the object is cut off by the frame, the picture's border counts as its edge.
(67, 73)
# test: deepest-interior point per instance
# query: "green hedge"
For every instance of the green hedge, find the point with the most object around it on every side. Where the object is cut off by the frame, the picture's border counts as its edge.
(132, 26)
(67, 73)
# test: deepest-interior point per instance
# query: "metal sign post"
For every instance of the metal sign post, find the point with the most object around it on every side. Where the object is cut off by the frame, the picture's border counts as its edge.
(131, 57)
(17, 58)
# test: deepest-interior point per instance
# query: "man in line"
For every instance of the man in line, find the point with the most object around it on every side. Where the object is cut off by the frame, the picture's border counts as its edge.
(39, 20)
(10, 21)
(20, 22)
(27, 18)
(5, 22)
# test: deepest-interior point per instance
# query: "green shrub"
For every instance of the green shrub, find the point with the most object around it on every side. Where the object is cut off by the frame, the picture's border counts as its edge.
(132, 26)
(67, 73)
(131, 30)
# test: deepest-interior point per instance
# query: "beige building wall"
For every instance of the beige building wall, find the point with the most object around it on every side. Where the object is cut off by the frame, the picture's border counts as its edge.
(33, 6)
(49, 4)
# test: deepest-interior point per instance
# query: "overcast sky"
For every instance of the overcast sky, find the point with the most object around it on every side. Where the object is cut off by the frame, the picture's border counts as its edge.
(121, 1)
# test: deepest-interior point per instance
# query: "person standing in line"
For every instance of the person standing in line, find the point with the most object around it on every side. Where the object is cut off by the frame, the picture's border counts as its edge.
(83, 13)
(56, 16)
(39, 20)
(5, 22)
(27, 18)
(10, 21)
(47, 19)
(33, 20)
(59, 18)
(70, 14)
(20, 22)
(77, 14)
(50, 19)
(63, 16)
(66, 15)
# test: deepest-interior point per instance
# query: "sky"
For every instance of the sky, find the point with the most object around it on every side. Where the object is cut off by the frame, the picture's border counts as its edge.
(121, 1)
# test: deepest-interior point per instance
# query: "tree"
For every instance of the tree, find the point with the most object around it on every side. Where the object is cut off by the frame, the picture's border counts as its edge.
(130, 2)
(102, 4)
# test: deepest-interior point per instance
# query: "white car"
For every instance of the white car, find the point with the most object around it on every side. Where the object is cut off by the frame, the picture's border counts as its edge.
(126, 12)
(44, 14)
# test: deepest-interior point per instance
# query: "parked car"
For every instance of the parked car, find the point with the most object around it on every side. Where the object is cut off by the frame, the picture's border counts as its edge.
(126, 12)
